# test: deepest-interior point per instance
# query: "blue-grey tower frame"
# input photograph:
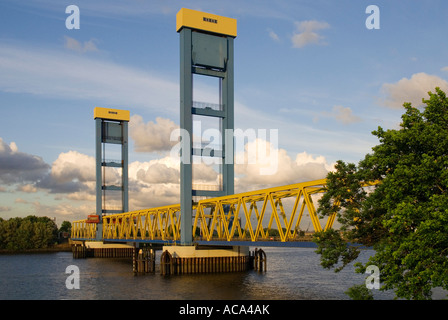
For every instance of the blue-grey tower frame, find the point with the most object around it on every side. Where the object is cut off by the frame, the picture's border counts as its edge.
(206, 48)
(111, 126)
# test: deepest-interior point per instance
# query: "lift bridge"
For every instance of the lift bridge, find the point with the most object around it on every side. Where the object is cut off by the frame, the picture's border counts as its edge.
(247, 219)
(263, 218)
(215, 233)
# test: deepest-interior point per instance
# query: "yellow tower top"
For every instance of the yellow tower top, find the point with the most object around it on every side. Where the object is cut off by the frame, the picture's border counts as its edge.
(205, 21)
(111, 114)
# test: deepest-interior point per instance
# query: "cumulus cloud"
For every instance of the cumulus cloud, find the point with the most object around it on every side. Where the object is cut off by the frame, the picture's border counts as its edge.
(157, 182)
(72, 172)
(345, 115)
(157, 171)
(153, 183)
(304, 167)
(306, 34)
(411, 90)
(73, 165)
(151, 136)
(151, 196)
(28, 188)
(71, 178)
(19, 167)
(64, 209)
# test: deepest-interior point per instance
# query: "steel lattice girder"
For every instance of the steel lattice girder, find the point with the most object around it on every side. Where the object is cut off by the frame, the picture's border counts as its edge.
(232, 217)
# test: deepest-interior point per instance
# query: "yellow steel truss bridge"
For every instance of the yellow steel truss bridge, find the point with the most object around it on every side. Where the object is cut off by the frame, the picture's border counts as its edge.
(273, 214)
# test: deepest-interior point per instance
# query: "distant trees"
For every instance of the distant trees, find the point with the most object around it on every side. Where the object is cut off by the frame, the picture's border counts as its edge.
(27, 233)
(66, 226)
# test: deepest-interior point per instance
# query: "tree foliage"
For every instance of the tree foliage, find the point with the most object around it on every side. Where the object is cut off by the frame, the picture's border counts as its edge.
(404, 217)
(66, 226)
(27, 233)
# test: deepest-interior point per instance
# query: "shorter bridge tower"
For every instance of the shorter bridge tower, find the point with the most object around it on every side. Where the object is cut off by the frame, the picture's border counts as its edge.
(111, 127)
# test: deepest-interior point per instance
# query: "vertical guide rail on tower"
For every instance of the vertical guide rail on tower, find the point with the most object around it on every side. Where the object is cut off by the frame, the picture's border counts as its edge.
(186, 123)
(206, 48)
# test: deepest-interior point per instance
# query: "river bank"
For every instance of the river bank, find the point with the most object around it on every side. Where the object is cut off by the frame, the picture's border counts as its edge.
(62, 247)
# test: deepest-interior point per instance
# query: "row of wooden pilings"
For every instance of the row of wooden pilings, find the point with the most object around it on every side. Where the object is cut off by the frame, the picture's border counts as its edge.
(80, 251)
(176, 265)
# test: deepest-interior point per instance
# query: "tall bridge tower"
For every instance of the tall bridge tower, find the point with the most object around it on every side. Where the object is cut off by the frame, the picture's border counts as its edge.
(206, 50)
(111, 127)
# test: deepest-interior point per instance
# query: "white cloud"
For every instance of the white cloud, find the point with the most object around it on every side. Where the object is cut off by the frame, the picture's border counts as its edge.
(411, 90)
(159, 173)
(273, 35)
(73, 165)
(306, 34)
(75, 45)
(151, 136)
(72, 173)
(5, 209)
(345, 115)
(63, 210)
(152, 196)
(341, 114)
(28, 188)
(156, 183)
(303, 168)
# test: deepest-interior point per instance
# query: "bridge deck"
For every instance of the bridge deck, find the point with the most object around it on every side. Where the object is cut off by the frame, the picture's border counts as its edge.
(242, 243)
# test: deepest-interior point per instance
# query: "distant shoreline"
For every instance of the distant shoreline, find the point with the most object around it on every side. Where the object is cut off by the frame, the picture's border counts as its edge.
(64, 247)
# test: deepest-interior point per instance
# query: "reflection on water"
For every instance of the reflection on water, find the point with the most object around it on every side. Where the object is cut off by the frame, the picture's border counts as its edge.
(292, 274)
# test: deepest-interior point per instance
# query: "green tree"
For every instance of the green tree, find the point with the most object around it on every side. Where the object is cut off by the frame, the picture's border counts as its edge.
(27, 233)
(66, 226)
(359, 292)
(404, 217)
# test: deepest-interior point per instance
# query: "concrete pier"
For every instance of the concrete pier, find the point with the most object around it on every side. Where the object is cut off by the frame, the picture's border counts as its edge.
(204, 259)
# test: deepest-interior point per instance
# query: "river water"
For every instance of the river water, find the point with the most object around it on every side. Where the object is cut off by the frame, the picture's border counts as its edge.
(292, 274)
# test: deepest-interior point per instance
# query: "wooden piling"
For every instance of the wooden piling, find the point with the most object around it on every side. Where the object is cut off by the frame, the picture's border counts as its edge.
(143, 260)
(79, 251)
(259, 260)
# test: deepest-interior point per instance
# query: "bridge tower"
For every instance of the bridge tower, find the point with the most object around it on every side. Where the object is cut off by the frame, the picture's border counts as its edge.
(206, 50)
(111, 127)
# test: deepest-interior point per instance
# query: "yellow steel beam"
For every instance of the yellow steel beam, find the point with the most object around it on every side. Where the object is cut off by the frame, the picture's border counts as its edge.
(205, 21)
(111, 114)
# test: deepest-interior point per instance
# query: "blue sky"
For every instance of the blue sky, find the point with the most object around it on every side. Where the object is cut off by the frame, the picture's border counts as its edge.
(310, 69)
